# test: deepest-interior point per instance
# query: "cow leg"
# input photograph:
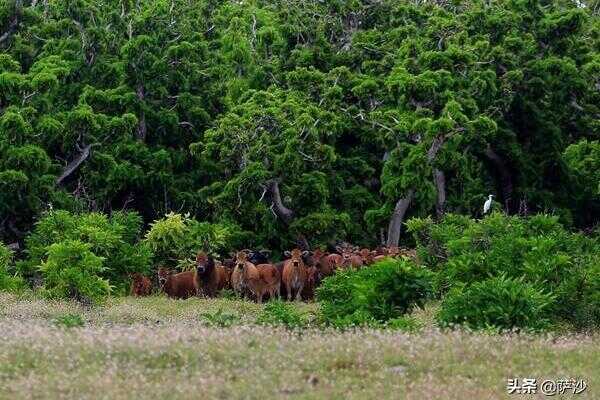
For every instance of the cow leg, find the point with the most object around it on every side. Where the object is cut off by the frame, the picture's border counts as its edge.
(299, 294)
(289, 292)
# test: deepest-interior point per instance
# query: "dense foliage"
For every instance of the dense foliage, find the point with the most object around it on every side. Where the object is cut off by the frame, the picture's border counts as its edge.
(511, 260)
(497, 302)
(313, 120)
(175, 239)
(9, 281)
(385, 290)
(73, 271)
(114, 241)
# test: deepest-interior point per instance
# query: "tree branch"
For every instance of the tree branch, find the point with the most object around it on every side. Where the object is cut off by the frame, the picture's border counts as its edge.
(11, 29)
(74, 164)
(440, 185)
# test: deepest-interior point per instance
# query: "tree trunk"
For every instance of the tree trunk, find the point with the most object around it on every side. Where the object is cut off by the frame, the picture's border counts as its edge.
(284, 213)
(142, 129)
(506, 183)
(14, 23)
(397, 219)
(440, 185)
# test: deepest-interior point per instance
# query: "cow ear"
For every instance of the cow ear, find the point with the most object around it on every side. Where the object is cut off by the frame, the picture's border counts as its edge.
(287, 253)
(339, 249)
(265, 253)
(305, 253)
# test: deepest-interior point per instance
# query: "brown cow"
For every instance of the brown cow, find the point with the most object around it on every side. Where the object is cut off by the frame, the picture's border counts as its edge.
(366, 256)
(326, 263)
(312, 281)
(294, 274)
(270, 281)
(393, 251)
(140, 285)
(224, 274)
(351, 260)
(245, 278)
(179, 286)
(335, 260)
(207, 276)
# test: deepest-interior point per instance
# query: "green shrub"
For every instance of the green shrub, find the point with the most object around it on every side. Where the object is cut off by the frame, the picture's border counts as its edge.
(69, 321)
(385, 290)
(219, 318)
(73, 271)
(498, 302)
(278, 312)
(404, 323)
(9, 282)
(113, 238)
(587, 312)
(177, 238)
(537, 249)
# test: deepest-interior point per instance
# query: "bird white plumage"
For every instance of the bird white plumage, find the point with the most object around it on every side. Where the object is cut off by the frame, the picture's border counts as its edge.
(488, 204)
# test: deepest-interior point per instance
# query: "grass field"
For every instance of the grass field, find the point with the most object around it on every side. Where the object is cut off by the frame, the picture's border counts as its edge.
(156, 348)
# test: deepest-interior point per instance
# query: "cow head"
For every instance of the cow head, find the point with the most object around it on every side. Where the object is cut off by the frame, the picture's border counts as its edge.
(258, 256)
(204, 264)
(366, 256)
(346, 255)
(241, 258)
(295, 257)
(163, 274)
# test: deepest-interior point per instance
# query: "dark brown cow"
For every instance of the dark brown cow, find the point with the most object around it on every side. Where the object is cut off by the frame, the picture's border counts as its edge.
(178, 286)
(312, 281)
(294, 274)
(207, 276)
(224, 274)
(140, 285)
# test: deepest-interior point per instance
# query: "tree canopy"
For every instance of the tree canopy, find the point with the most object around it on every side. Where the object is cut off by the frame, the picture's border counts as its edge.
(303, 122)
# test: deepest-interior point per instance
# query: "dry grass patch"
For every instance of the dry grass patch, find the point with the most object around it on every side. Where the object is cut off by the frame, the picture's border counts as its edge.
(156, 348)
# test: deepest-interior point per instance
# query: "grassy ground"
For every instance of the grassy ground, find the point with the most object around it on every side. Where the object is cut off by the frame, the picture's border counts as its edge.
(156, 348)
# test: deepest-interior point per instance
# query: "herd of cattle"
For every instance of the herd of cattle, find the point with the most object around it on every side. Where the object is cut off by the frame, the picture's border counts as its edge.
(249, 273)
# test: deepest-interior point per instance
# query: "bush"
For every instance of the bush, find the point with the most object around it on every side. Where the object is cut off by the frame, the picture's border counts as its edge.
(9, 282)
(385, 290)
(73, 271)
(219, 318)
(499, 302)
(177, 238)
(277, 312)
(69, 321)
(587, 312)
(537, 249)
(113, 238)
(405, 324)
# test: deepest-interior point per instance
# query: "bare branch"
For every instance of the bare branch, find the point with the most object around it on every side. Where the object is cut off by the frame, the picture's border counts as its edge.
(74, 164)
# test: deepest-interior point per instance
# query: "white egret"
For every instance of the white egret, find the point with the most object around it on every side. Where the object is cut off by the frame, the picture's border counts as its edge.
(488, 204)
